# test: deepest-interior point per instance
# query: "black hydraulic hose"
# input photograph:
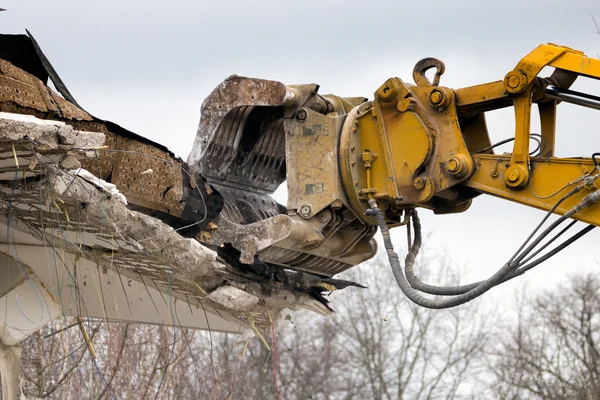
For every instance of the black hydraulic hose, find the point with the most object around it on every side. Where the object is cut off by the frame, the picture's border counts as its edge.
(409, 263)
(573, 191)
(416, 283)
(481, 288)
(419, 285)
(549, 242)
(411, 293)
(551, 253)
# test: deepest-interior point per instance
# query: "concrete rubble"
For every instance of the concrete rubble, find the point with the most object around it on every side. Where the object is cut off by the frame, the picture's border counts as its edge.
(138, 238)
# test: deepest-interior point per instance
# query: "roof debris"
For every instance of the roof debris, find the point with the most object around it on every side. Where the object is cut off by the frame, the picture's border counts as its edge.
(108, 188)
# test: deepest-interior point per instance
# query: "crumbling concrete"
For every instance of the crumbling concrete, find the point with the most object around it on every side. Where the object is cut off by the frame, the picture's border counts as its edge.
(91, 254)
(233, 298)
(62, 205)
(49, 134)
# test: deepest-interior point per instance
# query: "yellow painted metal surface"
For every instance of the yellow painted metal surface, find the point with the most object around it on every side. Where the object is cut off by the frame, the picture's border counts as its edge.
(433, 149)
(415, 132)
(550, 180)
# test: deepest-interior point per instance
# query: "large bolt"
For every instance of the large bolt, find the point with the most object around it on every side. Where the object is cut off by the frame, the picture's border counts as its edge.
(459, 165)
(516, 176)
(301, 115)
(513, 175)
(513, 81)
(436, 97)
(324, 216)
(305, 211)
(453, 165)
(419, 183)
(439, 100)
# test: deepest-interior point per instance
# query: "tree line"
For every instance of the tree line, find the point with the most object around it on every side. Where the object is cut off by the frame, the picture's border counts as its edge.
(377, 345)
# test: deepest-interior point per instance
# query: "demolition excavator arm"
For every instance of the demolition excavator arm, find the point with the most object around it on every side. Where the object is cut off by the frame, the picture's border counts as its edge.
(430, 148)
(352, 165)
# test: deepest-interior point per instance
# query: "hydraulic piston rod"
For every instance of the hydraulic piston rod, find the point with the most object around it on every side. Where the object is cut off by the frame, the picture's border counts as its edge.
(571, 96)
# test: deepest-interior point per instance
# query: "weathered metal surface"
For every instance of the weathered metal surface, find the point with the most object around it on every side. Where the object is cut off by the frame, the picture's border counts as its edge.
(240, 140)
(252, 238)
(251, 132)
(246, 207)
(313, 177)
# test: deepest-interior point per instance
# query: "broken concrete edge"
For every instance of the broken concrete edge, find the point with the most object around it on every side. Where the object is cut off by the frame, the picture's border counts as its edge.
(108, 188)
(251, 302)
(52, 135)
(189, 261)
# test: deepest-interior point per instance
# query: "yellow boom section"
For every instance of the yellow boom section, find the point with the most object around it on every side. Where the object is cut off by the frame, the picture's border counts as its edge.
(428, 146)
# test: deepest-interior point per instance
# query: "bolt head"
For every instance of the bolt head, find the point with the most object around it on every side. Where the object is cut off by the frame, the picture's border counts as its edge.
(301, 115)
(453, 165)
(513, 175)
(305, 210)
(513, 81)
(436, 97)
(324, 216)
(419, 183)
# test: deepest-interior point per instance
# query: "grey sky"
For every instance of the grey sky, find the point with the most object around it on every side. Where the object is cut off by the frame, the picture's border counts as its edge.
(148, 65)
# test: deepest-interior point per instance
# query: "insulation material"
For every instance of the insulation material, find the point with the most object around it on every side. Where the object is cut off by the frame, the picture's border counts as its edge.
(101, 184)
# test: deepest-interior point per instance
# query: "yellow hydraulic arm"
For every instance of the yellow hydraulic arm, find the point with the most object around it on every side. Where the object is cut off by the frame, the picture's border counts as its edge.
(426, 145)
(353, 165)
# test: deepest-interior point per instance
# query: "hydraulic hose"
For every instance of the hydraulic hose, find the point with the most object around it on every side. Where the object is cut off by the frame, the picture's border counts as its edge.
(416, 283)
(552, 252)
(508, 270)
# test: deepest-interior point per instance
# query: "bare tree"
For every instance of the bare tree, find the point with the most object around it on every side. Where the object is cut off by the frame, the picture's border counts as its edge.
(552, 351)
(377, 345)
(57, 360)
(596, 27)
(396, 349)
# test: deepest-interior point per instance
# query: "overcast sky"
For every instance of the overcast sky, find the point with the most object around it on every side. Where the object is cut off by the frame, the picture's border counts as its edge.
(148, 65)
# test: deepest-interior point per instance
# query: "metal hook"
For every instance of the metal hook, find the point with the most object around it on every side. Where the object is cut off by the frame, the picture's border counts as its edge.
(423, 66)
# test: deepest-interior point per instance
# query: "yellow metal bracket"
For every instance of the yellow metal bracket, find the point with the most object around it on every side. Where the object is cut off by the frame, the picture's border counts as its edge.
(521, 82)
(433, 146)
